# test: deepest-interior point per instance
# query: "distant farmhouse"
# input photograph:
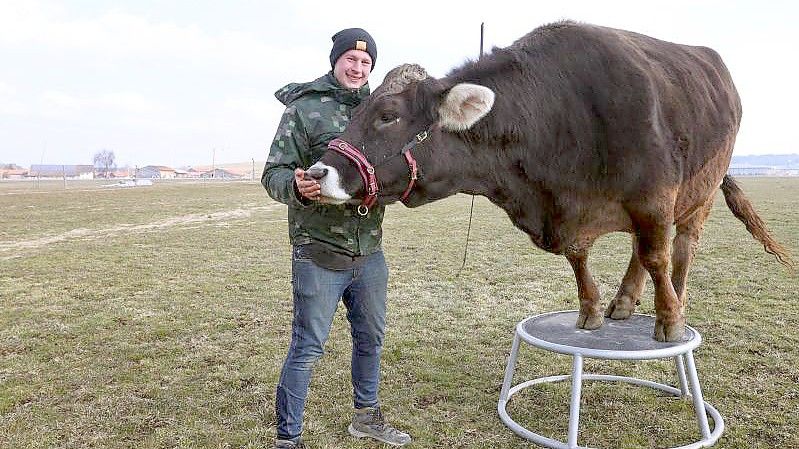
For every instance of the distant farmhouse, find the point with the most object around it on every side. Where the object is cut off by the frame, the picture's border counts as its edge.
(762, 171)
(163, 172)
(121, 173)
(208, 172)
(13, 173)
(222, 173)
(156, 172)
(62, 171)
(765, 165)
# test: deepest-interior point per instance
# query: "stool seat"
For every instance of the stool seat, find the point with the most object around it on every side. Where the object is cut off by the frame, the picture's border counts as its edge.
(629, 339)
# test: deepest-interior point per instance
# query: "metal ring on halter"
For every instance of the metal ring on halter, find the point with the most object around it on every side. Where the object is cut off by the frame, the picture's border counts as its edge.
(363, 210)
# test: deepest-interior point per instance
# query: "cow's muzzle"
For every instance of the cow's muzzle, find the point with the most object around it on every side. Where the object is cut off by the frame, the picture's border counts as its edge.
(316, 173)
(367, 170)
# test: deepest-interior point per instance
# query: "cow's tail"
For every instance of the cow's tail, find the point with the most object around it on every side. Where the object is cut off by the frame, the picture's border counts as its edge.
(743, 210)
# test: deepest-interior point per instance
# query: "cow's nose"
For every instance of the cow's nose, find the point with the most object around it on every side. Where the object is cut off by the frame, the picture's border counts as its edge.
(317, 172)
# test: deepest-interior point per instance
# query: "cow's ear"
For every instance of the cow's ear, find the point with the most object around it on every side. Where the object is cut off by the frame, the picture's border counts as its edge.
(464, 105)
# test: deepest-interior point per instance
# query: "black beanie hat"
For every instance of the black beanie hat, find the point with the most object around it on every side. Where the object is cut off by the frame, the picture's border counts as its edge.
(352, 39)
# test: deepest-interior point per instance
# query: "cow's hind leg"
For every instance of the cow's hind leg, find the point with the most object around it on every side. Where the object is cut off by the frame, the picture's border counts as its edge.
(629, 294)
(590, 310)
(652, 228)
(684, 247)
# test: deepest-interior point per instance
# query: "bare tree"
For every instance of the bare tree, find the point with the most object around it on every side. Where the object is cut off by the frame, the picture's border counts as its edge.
(104, 162)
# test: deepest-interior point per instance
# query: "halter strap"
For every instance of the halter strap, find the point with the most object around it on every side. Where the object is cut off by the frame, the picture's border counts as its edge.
(412, 166)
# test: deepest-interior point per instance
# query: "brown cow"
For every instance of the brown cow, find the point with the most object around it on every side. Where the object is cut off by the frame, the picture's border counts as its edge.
(575, 131)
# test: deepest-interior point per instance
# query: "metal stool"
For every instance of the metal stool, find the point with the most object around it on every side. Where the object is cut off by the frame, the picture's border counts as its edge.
(629, 339)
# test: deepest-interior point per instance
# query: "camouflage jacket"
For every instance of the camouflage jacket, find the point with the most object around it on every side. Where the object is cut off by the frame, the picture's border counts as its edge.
(316, 113)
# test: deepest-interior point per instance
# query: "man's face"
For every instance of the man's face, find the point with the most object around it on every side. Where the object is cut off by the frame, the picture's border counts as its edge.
(352, 68)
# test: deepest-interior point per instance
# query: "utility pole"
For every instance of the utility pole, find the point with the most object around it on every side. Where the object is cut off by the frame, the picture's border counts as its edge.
(41, 162)
(253, 169)
(213, 162)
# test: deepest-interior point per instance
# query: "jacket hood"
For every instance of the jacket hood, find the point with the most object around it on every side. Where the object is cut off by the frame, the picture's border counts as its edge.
(324, 85)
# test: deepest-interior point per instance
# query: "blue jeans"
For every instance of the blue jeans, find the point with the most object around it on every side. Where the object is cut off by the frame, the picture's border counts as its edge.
(317, 292)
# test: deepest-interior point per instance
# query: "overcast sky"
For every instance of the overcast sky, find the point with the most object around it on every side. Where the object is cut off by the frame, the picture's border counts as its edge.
(181, 82)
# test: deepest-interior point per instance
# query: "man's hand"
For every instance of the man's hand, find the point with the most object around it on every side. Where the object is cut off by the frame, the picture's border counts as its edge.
(307, 186)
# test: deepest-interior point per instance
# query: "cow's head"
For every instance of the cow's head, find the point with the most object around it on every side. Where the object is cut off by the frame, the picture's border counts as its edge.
(409, 113)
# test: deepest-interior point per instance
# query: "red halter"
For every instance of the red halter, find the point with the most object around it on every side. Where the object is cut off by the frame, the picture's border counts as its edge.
(367, 170)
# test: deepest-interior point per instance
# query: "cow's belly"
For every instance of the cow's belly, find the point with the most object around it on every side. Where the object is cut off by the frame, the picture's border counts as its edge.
(597, 220)
(574, 226)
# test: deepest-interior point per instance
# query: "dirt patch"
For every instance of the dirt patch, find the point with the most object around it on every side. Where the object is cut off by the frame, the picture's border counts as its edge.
(92, 234)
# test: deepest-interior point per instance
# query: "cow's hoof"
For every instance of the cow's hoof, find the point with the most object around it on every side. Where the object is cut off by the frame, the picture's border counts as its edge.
(589, 322)
(621, 308)
(669, 332)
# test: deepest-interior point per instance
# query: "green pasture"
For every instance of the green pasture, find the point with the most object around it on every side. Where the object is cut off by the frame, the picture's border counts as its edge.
(158, 317)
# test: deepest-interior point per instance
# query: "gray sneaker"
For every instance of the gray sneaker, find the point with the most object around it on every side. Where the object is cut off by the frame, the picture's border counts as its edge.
(290, 444)
(369, 422)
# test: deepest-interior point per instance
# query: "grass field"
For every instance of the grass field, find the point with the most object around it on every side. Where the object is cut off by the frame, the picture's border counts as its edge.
(158, 317)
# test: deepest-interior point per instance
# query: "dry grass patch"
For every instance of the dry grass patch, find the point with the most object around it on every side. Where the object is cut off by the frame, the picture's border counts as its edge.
(173, 336)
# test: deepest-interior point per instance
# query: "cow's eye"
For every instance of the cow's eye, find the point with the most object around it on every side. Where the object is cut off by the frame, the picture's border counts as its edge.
(388, 117)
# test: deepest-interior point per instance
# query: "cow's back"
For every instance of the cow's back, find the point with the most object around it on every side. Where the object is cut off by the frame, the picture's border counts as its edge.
(614, 110)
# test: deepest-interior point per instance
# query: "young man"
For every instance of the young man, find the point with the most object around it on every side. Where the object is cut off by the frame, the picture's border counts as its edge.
(336, 252)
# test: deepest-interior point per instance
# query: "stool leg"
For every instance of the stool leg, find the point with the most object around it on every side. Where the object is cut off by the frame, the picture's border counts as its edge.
(696, 393)
(574, 407)
(514, 352)
(678, 361)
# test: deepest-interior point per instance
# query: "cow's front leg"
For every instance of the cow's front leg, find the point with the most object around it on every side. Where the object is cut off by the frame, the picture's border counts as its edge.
(630, 290)
(590, 310)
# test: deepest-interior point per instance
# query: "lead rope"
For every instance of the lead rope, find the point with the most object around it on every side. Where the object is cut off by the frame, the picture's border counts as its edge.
(471, 209)
(466, 246)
